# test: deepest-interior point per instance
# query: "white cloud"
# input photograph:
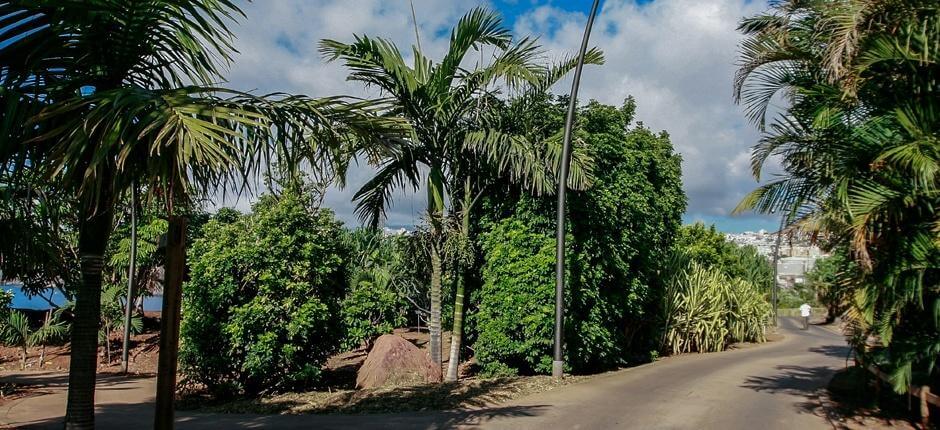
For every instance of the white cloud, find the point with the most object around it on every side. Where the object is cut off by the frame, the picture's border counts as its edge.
(675, 56)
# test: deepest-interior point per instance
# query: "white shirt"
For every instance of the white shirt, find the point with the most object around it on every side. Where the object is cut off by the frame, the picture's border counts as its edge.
(805, 310)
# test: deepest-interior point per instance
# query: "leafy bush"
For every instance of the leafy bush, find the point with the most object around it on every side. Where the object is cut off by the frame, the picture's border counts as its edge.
(833, 280)
(704, 311)
(709, 247)
(371, 309)
(261, 308)
(795, 296)
(515, 317)
(620, 232)
(6, 299)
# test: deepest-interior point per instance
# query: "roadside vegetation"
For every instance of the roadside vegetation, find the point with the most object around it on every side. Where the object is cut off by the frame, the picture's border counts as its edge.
(272, 295)
(858, 143)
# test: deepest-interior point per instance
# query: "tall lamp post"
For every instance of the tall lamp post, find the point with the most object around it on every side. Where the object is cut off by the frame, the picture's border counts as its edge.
(773, 291)
(558, 363)
(131, 281)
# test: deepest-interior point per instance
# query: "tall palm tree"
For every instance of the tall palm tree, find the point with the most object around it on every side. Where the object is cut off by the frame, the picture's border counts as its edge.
(451, 147)
(102, 93)
(859, 145)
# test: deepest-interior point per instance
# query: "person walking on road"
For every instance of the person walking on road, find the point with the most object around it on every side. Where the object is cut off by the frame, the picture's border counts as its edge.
(805, 311)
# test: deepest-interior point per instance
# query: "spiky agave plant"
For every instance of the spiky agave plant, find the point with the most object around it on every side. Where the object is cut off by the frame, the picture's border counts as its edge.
(705, 311)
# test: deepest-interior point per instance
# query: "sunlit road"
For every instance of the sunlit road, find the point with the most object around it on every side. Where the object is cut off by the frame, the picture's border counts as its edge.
(772, 386)
(768, 387)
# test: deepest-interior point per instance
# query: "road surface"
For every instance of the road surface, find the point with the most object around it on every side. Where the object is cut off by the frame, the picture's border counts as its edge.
(766, 387)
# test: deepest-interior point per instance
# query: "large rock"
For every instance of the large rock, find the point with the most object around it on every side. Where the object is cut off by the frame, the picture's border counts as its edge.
(395, 361)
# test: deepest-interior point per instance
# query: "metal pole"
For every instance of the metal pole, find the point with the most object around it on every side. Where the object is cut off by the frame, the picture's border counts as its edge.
(131, 280)
(773, 291)
(558, 363)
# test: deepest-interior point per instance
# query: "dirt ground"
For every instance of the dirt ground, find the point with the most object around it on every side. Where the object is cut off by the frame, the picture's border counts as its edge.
(142, 356)
(340, 369)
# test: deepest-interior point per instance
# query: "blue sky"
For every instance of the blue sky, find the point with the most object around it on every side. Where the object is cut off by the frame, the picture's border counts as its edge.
(676, 57)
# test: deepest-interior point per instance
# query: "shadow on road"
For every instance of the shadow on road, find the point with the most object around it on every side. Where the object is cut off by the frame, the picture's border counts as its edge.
(807, 383)
(124, 415)
(837, 351)
(792, 380)
(443, 396)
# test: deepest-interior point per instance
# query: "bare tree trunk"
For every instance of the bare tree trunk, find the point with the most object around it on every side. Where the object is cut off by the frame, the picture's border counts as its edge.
(107, 343)
(23, 359)
(170, 323)
(94, 230)
(42, 349)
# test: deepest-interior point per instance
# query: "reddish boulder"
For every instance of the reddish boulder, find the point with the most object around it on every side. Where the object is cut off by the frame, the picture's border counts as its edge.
(395, 361)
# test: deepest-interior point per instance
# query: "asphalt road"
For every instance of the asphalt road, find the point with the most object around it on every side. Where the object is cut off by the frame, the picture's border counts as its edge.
(766, 387)
(774, 386)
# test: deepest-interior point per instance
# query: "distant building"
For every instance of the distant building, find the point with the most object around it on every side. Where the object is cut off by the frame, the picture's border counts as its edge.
(793, 270)
(395, 232)
(797, 255)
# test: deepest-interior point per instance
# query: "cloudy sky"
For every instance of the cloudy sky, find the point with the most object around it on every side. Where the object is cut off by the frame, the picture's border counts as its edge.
(675, 56)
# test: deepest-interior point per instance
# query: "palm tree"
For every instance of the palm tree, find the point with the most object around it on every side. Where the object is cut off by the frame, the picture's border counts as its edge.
(452, 146)
(102, 93)
(16, 331)
(859, 150)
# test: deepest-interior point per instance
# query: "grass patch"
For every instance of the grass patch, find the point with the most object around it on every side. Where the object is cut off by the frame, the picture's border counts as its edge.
(464, 394)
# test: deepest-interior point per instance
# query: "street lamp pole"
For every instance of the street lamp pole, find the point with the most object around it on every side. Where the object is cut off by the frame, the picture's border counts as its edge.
(558, 363)
(773, 291)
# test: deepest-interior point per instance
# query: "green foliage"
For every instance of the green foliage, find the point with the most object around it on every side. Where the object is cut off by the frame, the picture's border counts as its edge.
(261, 308)
(715, 294)
(374, 305)
(793, 297)
(41, 218)
(705, 311)
(709, 247)
(620, 233)
(368, 311)
(622, 229)
(516, 307)
(858, 147)
(16, 331)
(6, 298)
(833, 279)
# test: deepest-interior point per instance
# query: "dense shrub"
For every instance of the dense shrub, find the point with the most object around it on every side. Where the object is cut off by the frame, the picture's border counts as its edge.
(709, 247)
(795, 296)
(621, 231)
(516, 311)
(261, 308)
(371, 309)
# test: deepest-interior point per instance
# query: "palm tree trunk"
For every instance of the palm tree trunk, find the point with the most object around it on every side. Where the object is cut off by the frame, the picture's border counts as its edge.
(436, 212)
(456, 335)
(434, 325)
(170, 322)
(94, 230)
